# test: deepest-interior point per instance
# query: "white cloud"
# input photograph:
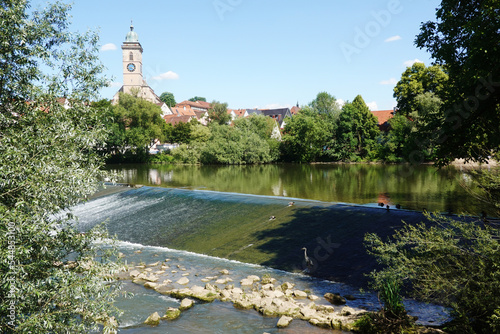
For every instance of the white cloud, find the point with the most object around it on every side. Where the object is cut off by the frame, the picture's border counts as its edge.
(166, 76)
(409, 63)
(372, 105)
(340, 102)
(391, 81)
(393, 39)
(108, 47)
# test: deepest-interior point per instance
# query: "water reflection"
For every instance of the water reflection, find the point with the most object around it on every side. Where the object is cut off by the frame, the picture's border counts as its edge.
(405, 186)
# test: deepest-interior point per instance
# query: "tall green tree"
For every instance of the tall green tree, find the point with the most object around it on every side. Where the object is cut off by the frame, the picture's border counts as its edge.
(218, 113)
(47, 165)
(168, 98)
(357, 127)
(465, 39)
(418, 79)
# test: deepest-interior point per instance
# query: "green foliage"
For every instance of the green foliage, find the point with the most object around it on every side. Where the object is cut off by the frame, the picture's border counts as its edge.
(450, 262)
(306, 136)
(181, 133)
(232, 145)
(218, 113)
(418, 79)
(51, 280)
(197, 98)
(357, 130)
(136, 125)
(161, 158)
(325, 103)
(168, 98)
(465, 39)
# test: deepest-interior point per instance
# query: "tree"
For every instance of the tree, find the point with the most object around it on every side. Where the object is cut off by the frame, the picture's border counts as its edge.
(197, 98)
(218, 113)
(140, 122)
(416, 80)
(168, 98)
(325, 103)
(305, 137)
(47, 165)
(358, 127)
(465, 40)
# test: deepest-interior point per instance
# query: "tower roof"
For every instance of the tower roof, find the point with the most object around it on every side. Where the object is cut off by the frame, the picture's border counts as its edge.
(132, 36)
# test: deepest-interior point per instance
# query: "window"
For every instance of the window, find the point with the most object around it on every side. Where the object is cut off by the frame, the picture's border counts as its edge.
(131, 56)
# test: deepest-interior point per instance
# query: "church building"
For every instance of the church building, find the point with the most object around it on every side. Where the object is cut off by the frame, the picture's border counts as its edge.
(133, 81)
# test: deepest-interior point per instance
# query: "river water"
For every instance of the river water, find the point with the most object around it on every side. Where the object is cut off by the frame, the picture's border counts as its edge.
(206, 219)
(153, 224)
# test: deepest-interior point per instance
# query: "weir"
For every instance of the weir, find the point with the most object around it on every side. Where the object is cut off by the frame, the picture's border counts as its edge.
(262, 230)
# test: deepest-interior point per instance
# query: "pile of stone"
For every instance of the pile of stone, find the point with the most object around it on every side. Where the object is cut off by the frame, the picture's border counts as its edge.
(264, 295)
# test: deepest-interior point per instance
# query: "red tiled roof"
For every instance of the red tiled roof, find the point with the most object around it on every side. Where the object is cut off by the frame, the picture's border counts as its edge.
(197, 104)
(294, 110)
(181, 111)
(174, 119)
(382, 117)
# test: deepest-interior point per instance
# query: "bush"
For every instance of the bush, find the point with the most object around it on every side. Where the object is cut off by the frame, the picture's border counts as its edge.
(450, 262)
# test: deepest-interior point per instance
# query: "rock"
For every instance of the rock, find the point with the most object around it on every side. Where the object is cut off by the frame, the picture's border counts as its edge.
(335, 298)
(299, 294)
(223, 280)
(183, 281)
(150, 285)
(243, 304)
(186, 304)
(174, 271)
(148, 269)
(167, 281)
(205, 280)
(286, 286)
(268, 286)
(134, 273)
(153, 264)
(253, 278)
(121, 255)
(284, 321)
(268, 280)
(224, 272)
(321, 322)
(153, 319)
(185, 274)
(313, 297)
(307, 313)
(346, 310)
(160, 272)
(151, 278)
(246, 282)
(172, 313)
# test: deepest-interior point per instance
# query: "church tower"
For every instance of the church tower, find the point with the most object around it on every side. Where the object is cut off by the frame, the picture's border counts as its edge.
(132, 62)
(133, 81)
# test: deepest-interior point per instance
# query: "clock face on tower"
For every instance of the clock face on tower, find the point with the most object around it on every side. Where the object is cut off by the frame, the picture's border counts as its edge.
(131, 67)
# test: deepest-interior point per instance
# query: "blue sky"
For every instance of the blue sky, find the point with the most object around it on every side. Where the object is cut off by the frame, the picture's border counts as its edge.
(262, 53)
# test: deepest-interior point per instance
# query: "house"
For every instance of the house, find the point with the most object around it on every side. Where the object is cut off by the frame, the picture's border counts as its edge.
(196, 106)
(278, 114)
(383, 117)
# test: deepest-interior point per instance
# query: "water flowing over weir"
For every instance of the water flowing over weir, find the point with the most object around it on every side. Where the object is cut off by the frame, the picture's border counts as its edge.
(212, 231)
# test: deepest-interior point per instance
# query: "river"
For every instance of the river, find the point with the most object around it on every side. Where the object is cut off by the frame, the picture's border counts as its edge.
(238, 218)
